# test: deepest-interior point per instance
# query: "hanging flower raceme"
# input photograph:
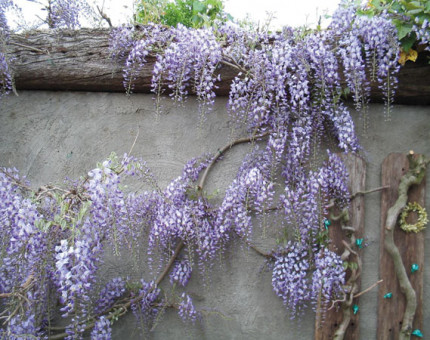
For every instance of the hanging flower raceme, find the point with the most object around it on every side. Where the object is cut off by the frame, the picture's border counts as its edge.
(76, 266)
(181, 213)
(187, 312)
(22, 244)
(422, 30)
(382, 50)
(121, 41)
(333, 178)
(181, 272)
(5, 76)
(290, 277)
(189, 61)
(250, 190)
(66, 13)
(154, 36)
(102, 329)
(329, 276)
(144, 304)
(114, 289)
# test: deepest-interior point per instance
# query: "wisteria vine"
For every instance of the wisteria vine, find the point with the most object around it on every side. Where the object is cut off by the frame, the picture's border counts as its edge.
(286, 100)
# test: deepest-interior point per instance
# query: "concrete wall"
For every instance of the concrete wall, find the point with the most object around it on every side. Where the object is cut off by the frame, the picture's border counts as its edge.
(51, 135)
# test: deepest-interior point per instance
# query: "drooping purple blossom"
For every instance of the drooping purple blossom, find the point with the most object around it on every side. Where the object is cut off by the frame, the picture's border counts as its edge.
(181, 272)
(422, 30)
(382, 49)
(20, 327)
(189, 61)
(144, 303)
(187, 311)
(329, 276)
(65, 13)
(333, 178)
(290, 277)
(250, 190)
(102, 329)
(121, 41)
(114, 289)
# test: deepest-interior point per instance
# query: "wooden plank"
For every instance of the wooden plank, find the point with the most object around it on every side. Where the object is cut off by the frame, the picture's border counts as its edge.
(411, 247)
(329, 323)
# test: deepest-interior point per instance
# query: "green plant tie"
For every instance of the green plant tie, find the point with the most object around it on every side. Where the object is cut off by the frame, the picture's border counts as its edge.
(414, 268)
(359, 242)
(417, 333)
(327, 223)
(355, 309)
(388, 296)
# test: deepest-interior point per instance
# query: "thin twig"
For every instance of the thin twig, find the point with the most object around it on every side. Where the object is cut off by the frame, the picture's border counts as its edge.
(28, 47)
(358, 193)
(237, 67)
(222, 151)
(368, 289)
(104, 16)
(134, 143)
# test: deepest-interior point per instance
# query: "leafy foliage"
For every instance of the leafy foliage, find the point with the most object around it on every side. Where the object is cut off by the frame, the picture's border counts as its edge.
(411, 18)
(190, 13)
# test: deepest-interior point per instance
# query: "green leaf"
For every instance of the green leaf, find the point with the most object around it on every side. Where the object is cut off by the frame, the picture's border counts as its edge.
(63, 224)
(417, 4)
(414, 11)
(408, 42)
(402, 29)
(199, 7)
(412, 5)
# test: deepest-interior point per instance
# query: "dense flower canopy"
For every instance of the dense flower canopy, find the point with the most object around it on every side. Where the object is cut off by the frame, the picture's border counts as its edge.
(287, 98)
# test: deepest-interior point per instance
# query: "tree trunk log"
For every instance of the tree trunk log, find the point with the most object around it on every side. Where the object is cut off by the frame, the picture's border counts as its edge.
(80, 61)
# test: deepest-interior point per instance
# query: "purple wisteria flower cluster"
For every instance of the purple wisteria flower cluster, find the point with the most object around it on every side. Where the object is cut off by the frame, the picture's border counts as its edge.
(423, 32)
(102, 329)
(5, 60)
(113, 290)
(52, 245)
(299, 279)
(290, 277)
(144, 304)
(181, 273)
(66, 13)
(328, 276)
(287, 98)
(190, 59)
(187, 312)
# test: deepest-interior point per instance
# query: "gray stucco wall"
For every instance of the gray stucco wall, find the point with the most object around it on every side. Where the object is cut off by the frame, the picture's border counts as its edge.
(51, 135)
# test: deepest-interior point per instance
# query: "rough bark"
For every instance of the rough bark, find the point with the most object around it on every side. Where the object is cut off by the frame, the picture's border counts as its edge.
(80, 61)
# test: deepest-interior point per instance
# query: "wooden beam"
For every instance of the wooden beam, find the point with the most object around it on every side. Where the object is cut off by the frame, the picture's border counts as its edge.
(80, 61)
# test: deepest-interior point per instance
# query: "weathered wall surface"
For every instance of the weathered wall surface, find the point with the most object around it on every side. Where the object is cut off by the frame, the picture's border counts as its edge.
(53, 135)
